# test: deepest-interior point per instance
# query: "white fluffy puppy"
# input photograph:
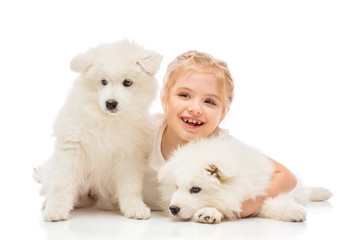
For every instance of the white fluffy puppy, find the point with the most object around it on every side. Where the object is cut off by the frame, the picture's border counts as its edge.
(209, 179)
(103, 133)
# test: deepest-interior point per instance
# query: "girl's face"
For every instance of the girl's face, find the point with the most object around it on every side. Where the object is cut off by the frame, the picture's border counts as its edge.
(193, 108)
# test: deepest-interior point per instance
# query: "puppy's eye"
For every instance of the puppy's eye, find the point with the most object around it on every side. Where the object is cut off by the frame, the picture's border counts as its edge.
(195, 190)
(127, 83)
(104, 82)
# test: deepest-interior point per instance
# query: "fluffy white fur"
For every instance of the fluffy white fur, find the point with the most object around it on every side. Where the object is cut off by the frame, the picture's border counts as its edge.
(100, 150)
(228, 173)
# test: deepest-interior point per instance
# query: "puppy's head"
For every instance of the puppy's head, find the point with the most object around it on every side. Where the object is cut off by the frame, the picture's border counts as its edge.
(193, 179)
(205, 189)
(117, 77)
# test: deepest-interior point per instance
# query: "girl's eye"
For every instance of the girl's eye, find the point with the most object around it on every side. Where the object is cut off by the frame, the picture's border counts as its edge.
(104, 82)
(209, 101)
(195, 190)
(127, 83)
(184, 95)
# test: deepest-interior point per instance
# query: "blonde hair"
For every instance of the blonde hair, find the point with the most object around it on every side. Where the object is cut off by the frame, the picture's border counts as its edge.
(202, 62)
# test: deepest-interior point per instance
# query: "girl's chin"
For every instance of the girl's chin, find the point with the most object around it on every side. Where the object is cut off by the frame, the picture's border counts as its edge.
(191, 137)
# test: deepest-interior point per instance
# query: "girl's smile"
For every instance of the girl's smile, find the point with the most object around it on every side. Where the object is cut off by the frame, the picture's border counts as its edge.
(192, 123)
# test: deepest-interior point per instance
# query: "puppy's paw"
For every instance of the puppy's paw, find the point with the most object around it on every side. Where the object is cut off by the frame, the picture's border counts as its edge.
(283, 210)
(208, 215)
(297, 214)
(137, 212)
(55, 215)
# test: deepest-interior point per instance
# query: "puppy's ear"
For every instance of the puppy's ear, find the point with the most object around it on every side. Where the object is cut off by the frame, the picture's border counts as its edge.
(150, 63)
(217, 174)
(82, 63)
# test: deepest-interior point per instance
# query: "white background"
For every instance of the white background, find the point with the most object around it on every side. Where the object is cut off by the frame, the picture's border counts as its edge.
(296, 66)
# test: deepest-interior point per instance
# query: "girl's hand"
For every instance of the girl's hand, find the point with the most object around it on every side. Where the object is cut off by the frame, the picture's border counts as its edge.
(282, 181)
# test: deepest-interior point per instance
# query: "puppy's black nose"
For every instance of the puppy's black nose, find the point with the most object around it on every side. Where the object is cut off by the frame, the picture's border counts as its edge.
(174, 210)
(111, 104)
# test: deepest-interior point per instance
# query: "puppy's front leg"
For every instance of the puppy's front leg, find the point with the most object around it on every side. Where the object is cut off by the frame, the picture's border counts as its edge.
(62, 185)
(129, 179)
(208, 215)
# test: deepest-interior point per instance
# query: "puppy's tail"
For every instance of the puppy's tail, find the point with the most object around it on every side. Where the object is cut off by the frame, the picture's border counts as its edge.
(303, 195)
(317, 194)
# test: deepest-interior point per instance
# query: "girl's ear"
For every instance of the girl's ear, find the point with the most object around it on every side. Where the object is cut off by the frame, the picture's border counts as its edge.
(163, 102)
(224, 113)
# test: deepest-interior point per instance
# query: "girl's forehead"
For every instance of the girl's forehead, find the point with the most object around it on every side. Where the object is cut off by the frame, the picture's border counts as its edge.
(198, 81)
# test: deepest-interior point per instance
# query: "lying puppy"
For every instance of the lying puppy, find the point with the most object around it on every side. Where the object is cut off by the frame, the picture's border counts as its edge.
(103, 134)
(208, 180)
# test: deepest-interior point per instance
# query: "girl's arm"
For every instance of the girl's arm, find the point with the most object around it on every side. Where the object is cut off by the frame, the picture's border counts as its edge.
(282, 181)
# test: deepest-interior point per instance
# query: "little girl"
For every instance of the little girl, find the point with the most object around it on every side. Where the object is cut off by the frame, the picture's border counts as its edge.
(196, 96)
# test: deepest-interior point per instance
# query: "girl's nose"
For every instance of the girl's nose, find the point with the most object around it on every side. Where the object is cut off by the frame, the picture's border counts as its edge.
(195, 108)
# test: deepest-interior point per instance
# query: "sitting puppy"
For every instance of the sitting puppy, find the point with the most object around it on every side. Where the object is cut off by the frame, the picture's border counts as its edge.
(103, 134)
(209, 179)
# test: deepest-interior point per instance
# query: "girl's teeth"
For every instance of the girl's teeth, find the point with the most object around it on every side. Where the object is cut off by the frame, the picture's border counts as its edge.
(193, 122)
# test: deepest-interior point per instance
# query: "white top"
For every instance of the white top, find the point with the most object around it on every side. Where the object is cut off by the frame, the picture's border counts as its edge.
(155, 161)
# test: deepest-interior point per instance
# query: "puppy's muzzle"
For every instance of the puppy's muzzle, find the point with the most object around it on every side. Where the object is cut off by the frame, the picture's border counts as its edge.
(111, 104)
(174, 210)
